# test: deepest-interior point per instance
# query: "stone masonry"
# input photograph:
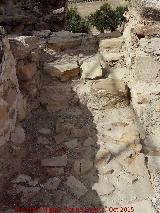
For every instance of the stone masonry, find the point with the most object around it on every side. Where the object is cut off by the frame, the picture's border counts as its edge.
(85, 125)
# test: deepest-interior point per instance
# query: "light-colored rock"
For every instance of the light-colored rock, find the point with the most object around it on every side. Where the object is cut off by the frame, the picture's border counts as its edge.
(18, 136)
(59, 161)
(110, 44)
(82, 166)
(103, 187)
(108, 86)
(151, 45)
(143, 66)
(118, 73)
(76, 187)
(51, 184)
(153, 140)
(143, 206)
(42, 140)
(63, 71)
(59, 11)
(111, 57)
(109, 93)
(91, 68)
(154, 163)
(136, 165)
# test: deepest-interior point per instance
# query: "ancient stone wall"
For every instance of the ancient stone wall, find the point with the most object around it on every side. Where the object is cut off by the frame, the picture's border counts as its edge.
(142, 43)
(24, 16)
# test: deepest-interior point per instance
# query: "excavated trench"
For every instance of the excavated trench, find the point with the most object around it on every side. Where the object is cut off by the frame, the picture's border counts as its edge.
(79, 121)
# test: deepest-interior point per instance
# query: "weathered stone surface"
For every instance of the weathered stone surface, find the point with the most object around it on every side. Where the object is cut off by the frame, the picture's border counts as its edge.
(42, 140)
(71, 144)
(3, 112)
(111, 44)
(64, 40)
(145, 205)
(18, 136)
(103, 187)
(82, 166)
(89, 142)
(154, 163)
(57, 171)
(150, 45)
(44, 131)
(111, 57)
(147, 8)
(76, 187)
(51, 184)
(147, 30)
(42, 33)
(64, 71)
(59, 161)
(146, 68)
(111, 90)
(118, 73)
(22, 178)
(92, 68)
(22, 46)
(26, 72)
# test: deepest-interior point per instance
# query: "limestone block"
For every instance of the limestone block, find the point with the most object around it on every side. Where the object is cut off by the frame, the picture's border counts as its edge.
(64, 71)
(146, 68)
(91, 68)
(110, 87)
(111, 44)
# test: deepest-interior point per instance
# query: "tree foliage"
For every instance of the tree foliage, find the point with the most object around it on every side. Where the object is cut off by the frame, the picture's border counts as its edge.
(75, 23)
(106, 18)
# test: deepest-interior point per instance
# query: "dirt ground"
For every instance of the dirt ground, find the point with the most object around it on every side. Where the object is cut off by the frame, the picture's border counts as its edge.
(89, 7)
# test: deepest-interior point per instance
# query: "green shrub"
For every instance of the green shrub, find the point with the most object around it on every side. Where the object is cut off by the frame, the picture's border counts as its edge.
(120, 12)
(106, 18)
(75, 23)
